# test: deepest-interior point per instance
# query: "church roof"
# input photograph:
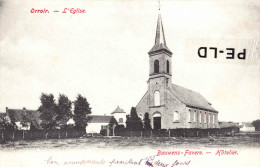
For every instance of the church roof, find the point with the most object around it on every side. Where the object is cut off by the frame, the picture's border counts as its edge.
(118, 110)
(160, 42)
(191, 98)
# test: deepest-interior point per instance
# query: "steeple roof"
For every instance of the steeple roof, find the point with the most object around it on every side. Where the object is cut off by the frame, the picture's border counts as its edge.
(118, 110)
(160, 42)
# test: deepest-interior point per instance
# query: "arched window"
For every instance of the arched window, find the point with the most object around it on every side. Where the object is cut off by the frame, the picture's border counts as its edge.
(205, 117)
(141, 116)
(209, 116)
(157, 98)
(200, 117)
(120, 120)
(156, 66)
(189, 116)
(168, 66)
(176, 116)
(195, 116)
(213, 118)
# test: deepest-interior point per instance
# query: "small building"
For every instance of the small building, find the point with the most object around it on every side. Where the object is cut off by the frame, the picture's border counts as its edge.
(24, 119)
(97, 123)
(120, 116)
(246, 127)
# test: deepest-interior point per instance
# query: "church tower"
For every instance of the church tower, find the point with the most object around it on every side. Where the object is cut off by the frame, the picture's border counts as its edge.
(160, 74)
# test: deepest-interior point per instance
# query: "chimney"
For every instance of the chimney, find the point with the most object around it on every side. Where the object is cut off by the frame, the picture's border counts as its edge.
(6, 108)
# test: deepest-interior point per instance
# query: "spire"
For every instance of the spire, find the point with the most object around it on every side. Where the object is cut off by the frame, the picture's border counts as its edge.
(159, 38)
(160, 42)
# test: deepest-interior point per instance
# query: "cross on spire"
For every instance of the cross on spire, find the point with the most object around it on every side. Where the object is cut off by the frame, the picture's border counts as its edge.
(159, 5)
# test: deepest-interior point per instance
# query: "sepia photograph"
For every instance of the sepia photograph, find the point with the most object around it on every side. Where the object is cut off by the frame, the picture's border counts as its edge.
(130, 83)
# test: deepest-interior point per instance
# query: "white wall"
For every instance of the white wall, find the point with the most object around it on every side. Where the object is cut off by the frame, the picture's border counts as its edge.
(247, 129)
(20, 127)
(94, 127)
(120, 115)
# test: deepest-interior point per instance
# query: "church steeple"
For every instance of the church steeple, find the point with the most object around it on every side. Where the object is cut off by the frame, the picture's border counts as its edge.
(160, 55)
(160, 42)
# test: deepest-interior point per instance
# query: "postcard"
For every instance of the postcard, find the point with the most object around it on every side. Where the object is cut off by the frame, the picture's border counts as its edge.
(129, 83)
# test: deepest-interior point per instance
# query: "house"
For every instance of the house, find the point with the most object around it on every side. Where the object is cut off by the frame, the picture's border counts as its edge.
(24, 119)
(246, 127)
(120, 116)
(171, 106)
(97, 123)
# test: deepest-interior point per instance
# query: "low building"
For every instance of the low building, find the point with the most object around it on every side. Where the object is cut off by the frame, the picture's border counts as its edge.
(97, 123)
(246, 127)
(24, 119)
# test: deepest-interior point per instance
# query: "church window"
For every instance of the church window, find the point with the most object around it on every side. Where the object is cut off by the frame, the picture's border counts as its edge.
(156, 66)
(209, 116)
(200, 117)
(168, 66)
(194, 116)
(189, 116)
(205, 117)
(213, 118)
(120, 120)
(157, 98)
(176, 116)
(141, 116)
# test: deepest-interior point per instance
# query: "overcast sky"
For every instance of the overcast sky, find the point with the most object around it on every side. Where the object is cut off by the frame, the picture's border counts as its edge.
(102, 54)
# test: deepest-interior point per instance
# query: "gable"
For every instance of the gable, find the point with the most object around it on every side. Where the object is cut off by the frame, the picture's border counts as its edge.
(118, 110)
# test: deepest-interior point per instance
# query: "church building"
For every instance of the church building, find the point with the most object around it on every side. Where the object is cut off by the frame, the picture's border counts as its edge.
(171, 106)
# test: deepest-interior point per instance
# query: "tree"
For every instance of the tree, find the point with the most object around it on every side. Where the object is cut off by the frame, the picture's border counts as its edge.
(81, 109)
(147, 122)
(6, 123)
(256, 124)
(48, 110)
(112, 124)
(133, 122)
(63, 108)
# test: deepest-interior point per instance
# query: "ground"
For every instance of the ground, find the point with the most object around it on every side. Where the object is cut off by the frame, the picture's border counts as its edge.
(251, 140)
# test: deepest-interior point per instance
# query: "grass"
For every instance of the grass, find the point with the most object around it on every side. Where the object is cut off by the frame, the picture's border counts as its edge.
(239, 140)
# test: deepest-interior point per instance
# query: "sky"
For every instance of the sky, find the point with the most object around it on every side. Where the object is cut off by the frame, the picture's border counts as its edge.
(102, 54)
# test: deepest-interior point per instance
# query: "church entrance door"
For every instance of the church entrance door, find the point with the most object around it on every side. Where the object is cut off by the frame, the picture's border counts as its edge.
(157, 120)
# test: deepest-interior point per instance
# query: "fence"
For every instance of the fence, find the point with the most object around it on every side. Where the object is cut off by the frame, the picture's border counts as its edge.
(179, 132)
(72, 133)
(40, 134)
